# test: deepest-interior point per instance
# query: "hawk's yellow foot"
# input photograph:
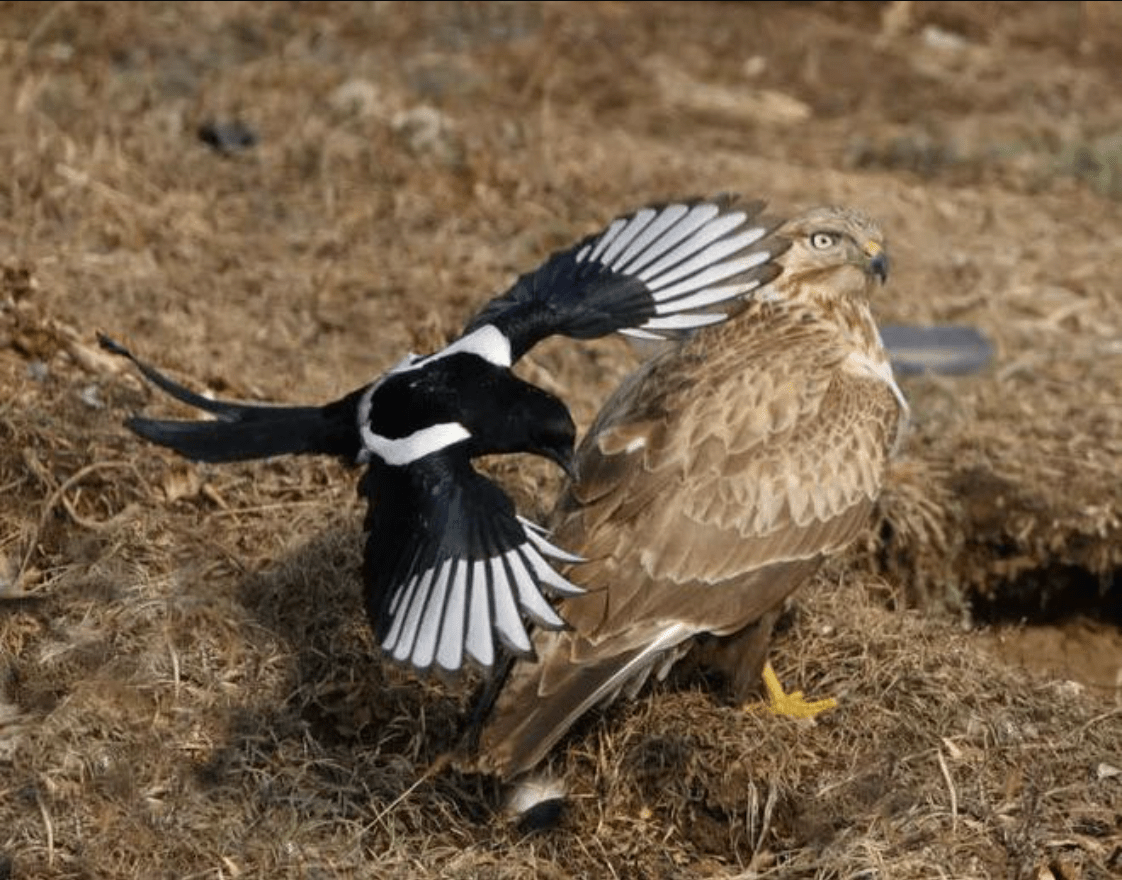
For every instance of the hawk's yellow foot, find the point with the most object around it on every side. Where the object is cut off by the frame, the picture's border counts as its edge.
(792, 705)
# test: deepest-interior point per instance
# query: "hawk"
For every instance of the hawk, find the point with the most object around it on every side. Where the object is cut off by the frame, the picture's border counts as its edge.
(452, 573)
(715, 481)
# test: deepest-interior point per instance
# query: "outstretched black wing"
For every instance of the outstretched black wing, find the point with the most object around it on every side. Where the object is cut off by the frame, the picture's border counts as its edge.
(452, 573)
(654, 273)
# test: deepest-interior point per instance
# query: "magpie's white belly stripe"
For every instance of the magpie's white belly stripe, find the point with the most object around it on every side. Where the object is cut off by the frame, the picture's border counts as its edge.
(406, 450)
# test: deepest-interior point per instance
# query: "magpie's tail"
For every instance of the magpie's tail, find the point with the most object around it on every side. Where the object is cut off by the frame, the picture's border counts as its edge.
(246, 431)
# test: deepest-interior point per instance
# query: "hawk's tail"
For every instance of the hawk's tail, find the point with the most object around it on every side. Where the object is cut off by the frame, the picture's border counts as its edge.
(540, 701)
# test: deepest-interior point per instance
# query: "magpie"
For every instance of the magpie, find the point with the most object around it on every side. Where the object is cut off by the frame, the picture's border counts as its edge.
(453, 575)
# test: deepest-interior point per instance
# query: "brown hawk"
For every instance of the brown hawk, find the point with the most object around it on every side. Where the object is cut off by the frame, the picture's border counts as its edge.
(714, 482)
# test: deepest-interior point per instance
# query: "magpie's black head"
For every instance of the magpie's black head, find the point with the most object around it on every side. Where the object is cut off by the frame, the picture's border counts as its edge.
(553, 434)
(515, 416)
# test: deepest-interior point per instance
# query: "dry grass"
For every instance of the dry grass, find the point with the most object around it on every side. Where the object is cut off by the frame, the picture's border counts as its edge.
(187, 683)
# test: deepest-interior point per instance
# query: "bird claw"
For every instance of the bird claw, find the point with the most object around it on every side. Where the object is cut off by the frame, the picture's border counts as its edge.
(792, 705)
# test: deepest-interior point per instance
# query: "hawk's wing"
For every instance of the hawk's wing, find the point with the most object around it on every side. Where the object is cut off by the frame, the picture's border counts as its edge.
(712, 484)
(752, 448)
(657, 272)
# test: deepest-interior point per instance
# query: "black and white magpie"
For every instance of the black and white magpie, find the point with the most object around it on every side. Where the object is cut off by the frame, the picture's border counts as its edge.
(452, 572)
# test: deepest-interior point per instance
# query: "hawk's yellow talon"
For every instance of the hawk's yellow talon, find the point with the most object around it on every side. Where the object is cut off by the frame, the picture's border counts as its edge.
(792, 705)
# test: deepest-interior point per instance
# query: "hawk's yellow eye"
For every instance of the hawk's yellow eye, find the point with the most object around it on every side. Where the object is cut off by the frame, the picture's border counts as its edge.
(822, 240)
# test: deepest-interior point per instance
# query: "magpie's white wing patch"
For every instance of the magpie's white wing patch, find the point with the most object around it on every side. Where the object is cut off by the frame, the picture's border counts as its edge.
(454, 576)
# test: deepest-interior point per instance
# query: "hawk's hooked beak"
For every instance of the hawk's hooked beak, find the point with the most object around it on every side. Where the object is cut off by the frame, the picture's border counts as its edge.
(878, 260)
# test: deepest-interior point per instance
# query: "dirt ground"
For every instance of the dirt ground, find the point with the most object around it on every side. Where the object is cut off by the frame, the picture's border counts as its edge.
(188, 688)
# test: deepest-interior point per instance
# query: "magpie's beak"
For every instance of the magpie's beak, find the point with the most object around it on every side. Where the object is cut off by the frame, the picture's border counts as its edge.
(878, 260)
(564, 458)
(568, 463)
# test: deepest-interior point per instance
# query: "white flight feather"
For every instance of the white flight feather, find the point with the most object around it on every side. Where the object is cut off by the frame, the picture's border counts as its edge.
(508, 620)
(636, 333)
(699, 240)
(536, 536)
(450, 653)
(634, 226)
(479, 643)
(695, 219)
(705, 272)
(432, 621)
(399, 607)
(607, 238)
(684, 322)
(413, 616)
(669, 215)
(530, 598)
(707, 297)
(545, 574)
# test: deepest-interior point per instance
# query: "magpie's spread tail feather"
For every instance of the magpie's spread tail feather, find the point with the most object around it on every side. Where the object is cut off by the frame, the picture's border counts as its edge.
(256, 435)
(244, 431)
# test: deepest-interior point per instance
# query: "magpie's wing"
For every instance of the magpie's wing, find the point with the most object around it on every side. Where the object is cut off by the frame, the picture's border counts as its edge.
(658, 272)
(452, 572)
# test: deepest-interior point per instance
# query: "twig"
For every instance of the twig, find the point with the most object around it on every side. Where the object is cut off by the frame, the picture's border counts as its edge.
(765, 822)
(434, 768)
(264, 508)
(950, 788)
(58, 494)
(174, 664)
(50, 829)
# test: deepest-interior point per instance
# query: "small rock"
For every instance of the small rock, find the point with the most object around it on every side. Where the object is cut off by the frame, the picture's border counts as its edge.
(227, 137)
(91, 397)
(1107, 771)
(357, 97)
(942, 39)
(426, 131)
